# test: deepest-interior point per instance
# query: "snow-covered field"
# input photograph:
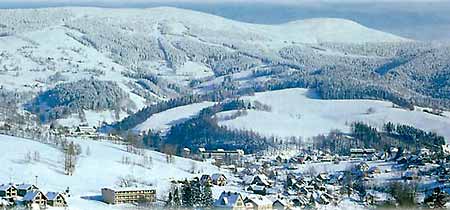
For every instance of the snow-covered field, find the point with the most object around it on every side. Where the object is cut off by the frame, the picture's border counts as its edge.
(299, 112)
(164, 120)
(101, 168)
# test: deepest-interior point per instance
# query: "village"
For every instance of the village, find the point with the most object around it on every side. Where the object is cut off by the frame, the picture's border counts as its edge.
(308, 179)
(312, 178)
(30, 196)
(287, 178)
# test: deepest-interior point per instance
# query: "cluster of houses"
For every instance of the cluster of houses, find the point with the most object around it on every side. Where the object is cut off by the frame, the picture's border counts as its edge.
(31, 196)
(278, 183)
(86, 132)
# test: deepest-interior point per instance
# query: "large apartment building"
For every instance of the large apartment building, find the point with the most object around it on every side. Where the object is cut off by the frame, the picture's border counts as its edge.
(128, 195)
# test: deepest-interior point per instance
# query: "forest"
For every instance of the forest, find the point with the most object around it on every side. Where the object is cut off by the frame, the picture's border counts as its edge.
(203, 131)
(363, 135)
(75, 97)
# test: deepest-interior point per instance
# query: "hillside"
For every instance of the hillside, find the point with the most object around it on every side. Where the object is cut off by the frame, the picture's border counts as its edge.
(299, 112)
(164, 120)
(100, 167)
(161, 53)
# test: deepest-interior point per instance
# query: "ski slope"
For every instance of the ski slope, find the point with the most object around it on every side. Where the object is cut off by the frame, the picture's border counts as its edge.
(101, 168)
(164, 120)
(299, 112)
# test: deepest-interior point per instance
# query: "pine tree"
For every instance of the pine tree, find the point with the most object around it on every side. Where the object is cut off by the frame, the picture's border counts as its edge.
(196, 193)
(186, 195)
(176, 198)
(208, 199)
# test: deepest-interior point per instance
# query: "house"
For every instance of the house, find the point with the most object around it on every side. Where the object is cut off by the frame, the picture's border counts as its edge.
(261, 180)
(219, 179)
(35, 198)
(258, 203)
(186, 152)
(85, 131)
(56, 199)
(257, 189)
(128, 195)
(206, 180)
(281, 204)
(8, 190)
(22, 189)
(229, 200)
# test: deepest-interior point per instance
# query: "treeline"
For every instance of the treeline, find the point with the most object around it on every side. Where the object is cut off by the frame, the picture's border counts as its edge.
(139, 117)
(333, 89)
(204, 131)
(365, 136)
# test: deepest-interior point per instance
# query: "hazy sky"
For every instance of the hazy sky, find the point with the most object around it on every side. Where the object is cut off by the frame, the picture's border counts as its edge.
(417, 19)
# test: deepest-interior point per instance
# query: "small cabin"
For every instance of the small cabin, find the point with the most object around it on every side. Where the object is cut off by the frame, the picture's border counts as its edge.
(229, 200)
(56, 199)
(35, 198)
(219, 179)
(23, 189)
(8, 190)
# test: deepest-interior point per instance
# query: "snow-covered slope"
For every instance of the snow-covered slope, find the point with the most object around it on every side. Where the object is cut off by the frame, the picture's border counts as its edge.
(298, 112)
(102, 167)
(40, 48)
(164, 120)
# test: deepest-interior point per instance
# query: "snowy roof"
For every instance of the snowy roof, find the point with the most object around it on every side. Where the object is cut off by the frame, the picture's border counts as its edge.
(259, 200)
(31, 195)
(217, 176)
(52, 195)
(227, 199)
(5, 187)
(25, 186)
(264, 179)
(282, 202)
(118, 189)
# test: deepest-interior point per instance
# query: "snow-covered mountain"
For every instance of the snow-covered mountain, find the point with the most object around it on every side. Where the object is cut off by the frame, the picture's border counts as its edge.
(152, 55)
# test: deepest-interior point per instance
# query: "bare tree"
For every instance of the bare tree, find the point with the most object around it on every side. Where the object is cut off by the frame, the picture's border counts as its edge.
(36, 156)
(71, 153)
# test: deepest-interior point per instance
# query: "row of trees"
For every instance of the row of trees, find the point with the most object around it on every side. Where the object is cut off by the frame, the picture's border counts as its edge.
(365, 136)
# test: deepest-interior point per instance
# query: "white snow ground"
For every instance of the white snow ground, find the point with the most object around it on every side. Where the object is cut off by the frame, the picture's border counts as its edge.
(298, 112)
(102, 168)
(164, 120)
